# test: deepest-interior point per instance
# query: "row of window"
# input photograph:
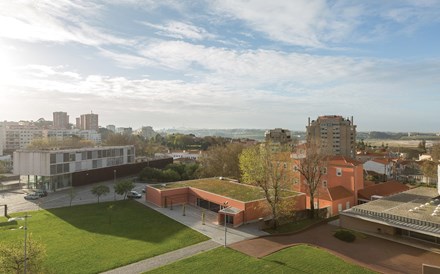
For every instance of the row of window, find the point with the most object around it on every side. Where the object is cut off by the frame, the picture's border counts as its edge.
(87, 155)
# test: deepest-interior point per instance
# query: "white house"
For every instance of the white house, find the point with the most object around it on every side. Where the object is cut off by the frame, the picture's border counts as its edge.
(380, 166)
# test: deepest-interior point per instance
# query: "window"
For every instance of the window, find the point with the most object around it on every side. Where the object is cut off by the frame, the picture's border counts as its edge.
(324, 183)
(323, 170)
(66, 157)
(53, 158)
(347, 205)
(339, 172)
(339, 207)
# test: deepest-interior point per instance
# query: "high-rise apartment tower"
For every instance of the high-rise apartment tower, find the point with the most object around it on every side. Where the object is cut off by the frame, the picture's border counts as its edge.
(333, 135)
(60, 120)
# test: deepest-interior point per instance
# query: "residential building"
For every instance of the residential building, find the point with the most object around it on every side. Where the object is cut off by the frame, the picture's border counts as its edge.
(15, 136)
(278, 135)
(112, 128)
(181, 154)
(381, 166)
(333, 135)
(240, 203)
(54, 169)
(341, 180)
(89, 122)
(124, 130)
(60, 120)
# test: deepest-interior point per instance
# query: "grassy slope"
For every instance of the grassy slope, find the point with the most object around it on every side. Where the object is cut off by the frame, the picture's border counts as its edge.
(296, 259)
(80, 239)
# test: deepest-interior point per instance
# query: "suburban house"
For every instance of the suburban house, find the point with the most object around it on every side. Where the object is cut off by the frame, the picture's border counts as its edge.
(341, 181)
(384, 166)
(240, 203)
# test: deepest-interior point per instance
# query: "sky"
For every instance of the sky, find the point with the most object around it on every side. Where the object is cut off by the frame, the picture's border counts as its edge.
(223, 64)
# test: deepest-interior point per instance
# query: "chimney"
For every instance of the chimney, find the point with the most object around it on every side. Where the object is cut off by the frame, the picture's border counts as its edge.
(309, 121)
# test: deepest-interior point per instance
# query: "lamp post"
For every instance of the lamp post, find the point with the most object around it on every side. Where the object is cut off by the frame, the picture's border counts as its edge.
(225, 204)
(114, 184)
(25, 217)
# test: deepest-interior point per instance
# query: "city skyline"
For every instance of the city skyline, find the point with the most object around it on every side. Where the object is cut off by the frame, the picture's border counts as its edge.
(223, 64)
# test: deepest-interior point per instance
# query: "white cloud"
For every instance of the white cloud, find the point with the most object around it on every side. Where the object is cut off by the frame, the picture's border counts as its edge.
(54, 21)
(181, 30)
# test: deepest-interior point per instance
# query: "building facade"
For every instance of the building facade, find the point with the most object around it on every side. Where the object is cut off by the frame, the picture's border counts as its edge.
(15, 136)
(333, 135)
(53, 169)
(60, 120)
(89, 122)
(278, 135)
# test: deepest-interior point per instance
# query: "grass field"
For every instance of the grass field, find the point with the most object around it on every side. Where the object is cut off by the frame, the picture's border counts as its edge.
(93, 238)
(296, 259)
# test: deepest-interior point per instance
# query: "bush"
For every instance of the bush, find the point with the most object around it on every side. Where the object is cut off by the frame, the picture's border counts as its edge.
(345, 235)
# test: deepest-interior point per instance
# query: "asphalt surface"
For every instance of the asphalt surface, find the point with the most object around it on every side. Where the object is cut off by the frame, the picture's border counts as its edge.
(61, 198)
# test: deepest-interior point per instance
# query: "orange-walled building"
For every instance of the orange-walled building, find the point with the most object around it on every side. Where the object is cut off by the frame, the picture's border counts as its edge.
(238, 212)
(340, 183)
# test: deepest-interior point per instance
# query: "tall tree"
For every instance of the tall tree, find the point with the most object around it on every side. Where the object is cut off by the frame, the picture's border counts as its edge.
(221, 161)
(429, 169)
(269, 171)
(123, 187)
(311, 165)
(100, 190)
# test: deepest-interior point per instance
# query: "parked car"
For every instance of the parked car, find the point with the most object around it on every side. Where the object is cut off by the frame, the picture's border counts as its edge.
(41, 192)
(32, 196)
(134, 195)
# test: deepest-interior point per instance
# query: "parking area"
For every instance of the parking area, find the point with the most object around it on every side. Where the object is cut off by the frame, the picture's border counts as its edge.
(80, 195)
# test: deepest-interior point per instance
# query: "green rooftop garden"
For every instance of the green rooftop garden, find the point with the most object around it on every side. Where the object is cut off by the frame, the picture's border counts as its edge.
(236, 191)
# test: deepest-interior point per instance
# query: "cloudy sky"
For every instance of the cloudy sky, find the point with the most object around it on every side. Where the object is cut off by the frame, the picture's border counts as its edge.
(223, 64)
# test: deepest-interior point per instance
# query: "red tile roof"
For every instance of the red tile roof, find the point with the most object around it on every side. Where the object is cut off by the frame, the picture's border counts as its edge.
(339, 192)
(382, 189)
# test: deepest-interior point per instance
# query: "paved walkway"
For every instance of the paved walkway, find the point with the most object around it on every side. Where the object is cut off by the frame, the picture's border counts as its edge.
(193, 219)
(164, 259)
(375, 253)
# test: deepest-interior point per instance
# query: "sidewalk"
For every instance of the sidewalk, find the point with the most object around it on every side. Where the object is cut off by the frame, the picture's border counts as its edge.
(193, 219)
(164, 259)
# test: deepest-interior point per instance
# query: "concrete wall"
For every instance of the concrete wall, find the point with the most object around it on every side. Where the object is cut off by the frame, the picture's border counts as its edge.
(363, 225)
(106, 174)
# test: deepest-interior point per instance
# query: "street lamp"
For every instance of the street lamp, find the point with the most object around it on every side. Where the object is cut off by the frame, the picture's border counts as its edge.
(225, 204)
(25, 217)
(114, 183)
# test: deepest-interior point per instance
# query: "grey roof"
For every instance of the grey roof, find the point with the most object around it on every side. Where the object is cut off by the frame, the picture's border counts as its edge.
(411, 209)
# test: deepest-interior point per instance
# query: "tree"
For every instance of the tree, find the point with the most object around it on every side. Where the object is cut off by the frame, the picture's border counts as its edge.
(12, 257)
(100, 190)
(268, 171)
(311, 165)
(72, 195)
(123, 187)
(435, 152)
(221, 161)
(429, 169)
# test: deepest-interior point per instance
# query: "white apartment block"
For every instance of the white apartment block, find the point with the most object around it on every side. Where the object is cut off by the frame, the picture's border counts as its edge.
(53, 169)
(14, 136)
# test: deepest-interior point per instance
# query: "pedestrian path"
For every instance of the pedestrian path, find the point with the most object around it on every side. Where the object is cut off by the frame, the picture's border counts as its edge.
(164, 259)
(193, 219)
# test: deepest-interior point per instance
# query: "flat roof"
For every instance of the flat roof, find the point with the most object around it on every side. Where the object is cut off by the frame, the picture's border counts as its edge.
(224, 187)
(66, 150)
(412, 208)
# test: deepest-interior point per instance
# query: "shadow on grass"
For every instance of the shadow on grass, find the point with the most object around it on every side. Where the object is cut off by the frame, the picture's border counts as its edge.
(126, 219)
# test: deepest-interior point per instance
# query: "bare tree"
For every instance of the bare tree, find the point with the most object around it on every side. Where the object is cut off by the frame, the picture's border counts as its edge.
(72, 195)
(269, 171)
(221, 161)
(311, 164)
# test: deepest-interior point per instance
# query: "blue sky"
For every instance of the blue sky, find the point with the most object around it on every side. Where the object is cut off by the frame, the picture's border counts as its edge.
(223, 64)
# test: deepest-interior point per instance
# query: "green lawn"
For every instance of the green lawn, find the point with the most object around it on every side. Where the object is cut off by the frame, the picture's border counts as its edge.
(81, 239)
(296, 259)
(237, 191)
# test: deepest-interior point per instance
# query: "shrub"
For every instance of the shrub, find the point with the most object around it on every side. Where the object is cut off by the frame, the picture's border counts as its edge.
(345, 235)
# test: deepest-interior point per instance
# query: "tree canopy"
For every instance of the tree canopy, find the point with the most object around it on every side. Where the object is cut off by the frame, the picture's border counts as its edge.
(100, 190)
(269, 171)
(123, 187)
